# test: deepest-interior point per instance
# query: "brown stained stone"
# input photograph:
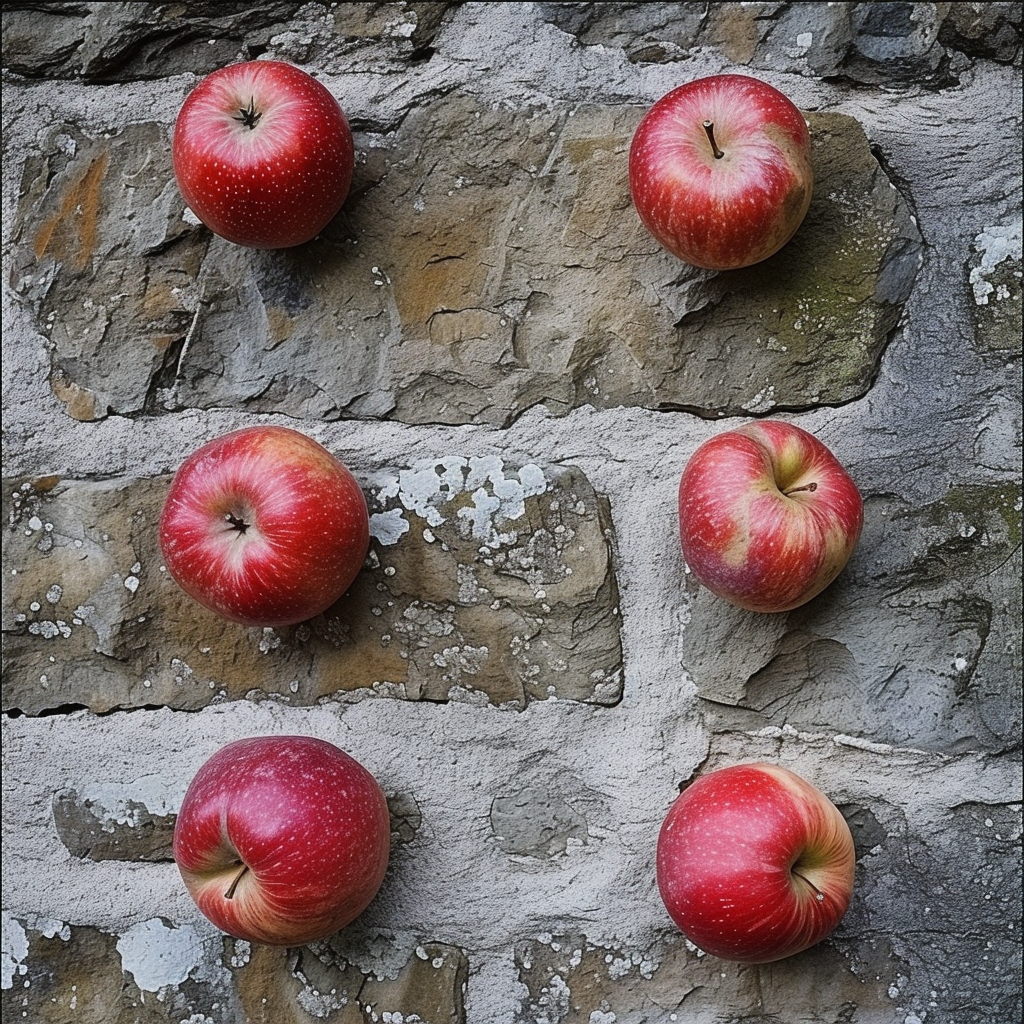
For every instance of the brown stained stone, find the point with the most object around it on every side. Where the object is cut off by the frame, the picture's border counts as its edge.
(319, 983)
(994, 278)
(64, 974)
(431, 986)
(484, 582)
(460, 284)
(105, 825)
(570, 980)
(990, 30)
(808, 325)
(156, 973)
(908, 621)
(106, 261)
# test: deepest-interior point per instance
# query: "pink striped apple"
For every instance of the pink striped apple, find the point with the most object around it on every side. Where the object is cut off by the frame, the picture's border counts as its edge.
(282, 839)
(720, 171)
(263, 154)
(767, 516)
(264, 526)
(754, 863)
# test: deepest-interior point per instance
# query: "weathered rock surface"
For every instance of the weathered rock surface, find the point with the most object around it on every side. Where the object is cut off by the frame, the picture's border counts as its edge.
(126, 42)
(888, 44)
(155, 973)
(118, 825)
(485, 582)
(571, 980)
(534, 822)
(939, 576)
(457, 286)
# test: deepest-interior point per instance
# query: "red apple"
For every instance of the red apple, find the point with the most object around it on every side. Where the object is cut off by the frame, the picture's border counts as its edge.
(263, 154)
(282, 839)
(264, 526)
(755, 864)
(767, 516)
(720, 171)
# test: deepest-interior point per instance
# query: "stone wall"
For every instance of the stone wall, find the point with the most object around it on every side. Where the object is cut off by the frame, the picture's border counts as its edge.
(516, 374)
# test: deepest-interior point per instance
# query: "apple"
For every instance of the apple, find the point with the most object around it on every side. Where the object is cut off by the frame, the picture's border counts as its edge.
(767, 516)
(754, 863)
(263, 154)
(264, 526)
(282, 839)
(720, 171)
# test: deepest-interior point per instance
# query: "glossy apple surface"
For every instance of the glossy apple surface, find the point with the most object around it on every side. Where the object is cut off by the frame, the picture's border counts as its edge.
(264, 526)
(720, 171)
(263, 154)
(282, 839)
(754, 863)
(768, 516)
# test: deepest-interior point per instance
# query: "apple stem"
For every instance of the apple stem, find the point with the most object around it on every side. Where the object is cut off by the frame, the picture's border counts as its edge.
(234, 884)
(812, 486)
(818, 894)
(709, 130)
(239, 524)
(249, 118)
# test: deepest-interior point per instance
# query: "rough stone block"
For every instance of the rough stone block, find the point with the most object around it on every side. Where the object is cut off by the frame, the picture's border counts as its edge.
(485, 582)
(912, 619)
(159, 973)
(994, 277)
(114, 823)
(533, 822)
(570, 980)
(460, 284)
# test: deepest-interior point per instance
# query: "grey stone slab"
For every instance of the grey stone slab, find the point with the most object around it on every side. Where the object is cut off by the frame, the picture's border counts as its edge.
(535, 822)
(112, 826)
(945, 895)
(922, 619)
(570, 980)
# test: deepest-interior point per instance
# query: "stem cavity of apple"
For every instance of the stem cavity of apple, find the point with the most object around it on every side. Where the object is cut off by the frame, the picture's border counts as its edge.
(236, 523)
(230, 894)
(249, 117)
(709, 130)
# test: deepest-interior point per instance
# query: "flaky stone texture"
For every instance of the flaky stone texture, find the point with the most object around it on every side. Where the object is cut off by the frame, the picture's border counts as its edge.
(156, 973)
(484, 582)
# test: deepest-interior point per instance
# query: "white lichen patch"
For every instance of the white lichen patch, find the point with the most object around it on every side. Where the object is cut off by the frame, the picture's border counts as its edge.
(496, 500)
(242, 953)
(995, 244)
(50, 630)
(388, 528)
(158, 956)
(116, 804)
(763, 401)
(13, 952)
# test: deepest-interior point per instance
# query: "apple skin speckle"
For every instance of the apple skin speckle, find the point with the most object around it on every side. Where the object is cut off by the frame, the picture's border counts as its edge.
(263, 154)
